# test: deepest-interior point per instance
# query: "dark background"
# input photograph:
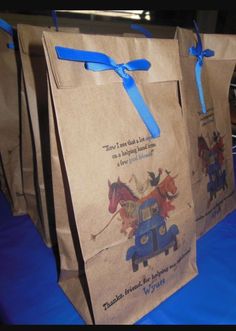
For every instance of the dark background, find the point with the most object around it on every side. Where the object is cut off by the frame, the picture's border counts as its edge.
(209, 21)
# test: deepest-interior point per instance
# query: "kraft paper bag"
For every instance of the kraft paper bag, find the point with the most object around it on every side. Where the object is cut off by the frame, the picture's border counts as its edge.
(209, 134)
(28, 161)
(129, 195)
(9, 123)
(36, 158)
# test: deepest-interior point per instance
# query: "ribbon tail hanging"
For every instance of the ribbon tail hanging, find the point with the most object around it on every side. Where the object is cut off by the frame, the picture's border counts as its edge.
(200, 54)
(141, 107)
(198, 75)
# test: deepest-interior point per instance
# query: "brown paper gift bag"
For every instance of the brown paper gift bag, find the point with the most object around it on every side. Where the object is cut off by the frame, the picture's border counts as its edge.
(29, 170)
(9, 123)
(66, 233)
(105, 150)
(209, 135)
(36, 153)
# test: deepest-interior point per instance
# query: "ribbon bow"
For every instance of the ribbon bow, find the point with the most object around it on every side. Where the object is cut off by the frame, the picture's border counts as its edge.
(200, 54)
(9, 29)
(99, 62)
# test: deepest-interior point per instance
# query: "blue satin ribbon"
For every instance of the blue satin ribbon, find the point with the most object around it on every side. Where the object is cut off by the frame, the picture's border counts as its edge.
(54, 18)
(99, 62)
(200, 54)
(8, 29)
(141, 29)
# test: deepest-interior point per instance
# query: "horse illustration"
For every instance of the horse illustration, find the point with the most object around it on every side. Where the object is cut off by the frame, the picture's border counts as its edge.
(120, 193)
(164, 193)
(203, 153)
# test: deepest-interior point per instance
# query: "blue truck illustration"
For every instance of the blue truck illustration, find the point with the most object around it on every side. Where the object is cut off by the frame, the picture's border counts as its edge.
(151, 236)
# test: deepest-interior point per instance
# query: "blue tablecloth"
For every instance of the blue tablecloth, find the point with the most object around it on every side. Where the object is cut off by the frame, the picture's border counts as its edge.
(29, 293)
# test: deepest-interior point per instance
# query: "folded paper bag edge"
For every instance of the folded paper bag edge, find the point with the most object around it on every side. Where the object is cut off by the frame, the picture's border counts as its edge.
(157, 51)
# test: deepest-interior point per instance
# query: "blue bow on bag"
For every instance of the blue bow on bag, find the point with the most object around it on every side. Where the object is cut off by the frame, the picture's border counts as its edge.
(200, 54)
(8, 29)
(99, 62)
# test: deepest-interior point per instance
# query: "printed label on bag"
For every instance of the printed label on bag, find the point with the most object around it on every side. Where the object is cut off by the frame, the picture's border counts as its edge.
(132, 150)
(208, 117)
(149, 284)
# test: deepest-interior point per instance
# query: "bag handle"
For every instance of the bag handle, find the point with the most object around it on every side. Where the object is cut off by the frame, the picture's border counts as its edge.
(99, 62)
(8, 29)
(200, 54)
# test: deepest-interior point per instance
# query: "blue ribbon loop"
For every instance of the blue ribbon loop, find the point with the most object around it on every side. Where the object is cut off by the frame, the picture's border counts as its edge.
(8, 29)
(200, 54)
(99, 62)
(54, 18)
(141, 29)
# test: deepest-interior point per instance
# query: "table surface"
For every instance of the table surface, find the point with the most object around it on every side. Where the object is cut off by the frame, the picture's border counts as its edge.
(29, 293)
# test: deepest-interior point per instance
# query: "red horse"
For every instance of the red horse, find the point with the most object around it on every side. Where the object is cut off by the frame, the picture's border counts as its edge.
(120, 193)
